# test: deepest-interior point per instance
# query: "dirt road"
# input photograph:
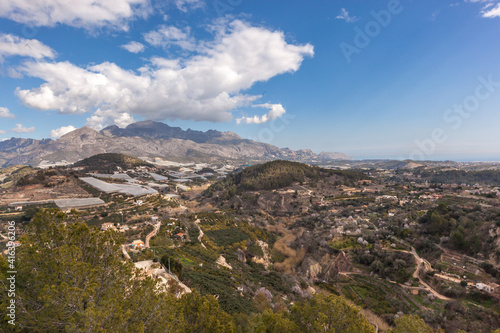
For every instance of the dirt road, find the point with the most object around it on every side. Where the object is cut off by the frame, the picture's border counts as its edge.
(427, 266)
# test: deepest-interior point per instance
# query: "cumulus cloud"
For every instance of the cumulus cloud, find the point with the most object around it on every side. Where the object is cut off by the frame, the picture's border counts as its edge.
(275, 111)
(344, 15)
(74, 90)
(185, 5)
(5, 113)
(206, 86)
(2, 132)
(491, 11)
(133, 47)
(87, 14)
(21, 129)
(58, 132)
(103, 118)
(166, 36)
(11, 45)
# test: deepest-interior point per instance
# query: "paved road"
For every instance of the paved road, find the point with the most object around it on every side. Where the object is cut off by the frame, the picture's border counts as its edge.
(125, 253)
(200, 236)
(152, 234)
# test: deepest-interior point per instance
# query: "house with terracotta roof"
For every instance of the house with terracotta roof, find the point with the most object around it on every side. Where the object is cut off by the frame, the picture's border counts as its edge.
(138, 244)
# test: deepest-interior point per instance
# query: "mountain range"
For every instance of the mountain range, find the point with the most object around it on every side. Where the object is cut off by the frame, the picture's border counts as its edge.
(150, 140)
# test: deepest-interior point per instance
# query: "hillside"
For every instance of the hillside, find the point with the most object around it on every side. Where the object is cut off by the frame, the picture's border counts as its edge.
(12, 174)
(277, 174)
(266, 241)
(121, 302)
(280, 186)
(270, 176)
(110, 162)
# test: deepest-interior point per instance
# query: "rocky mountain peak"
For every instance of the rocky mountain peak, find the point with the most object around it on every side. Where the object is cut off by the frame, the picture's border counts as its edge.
(80, 134)
(158, 130)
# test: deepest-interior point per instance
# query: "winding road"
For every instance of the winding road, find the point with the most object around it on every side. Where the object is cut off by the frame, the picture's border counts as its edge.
(428, 267)
(152, 234)
(200, 236)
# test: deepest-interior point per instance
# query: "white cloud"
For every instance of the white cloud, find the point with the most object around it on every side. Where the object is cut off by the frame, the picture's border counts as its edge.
(21, 129)
(58, 132)
(87, 14)
(11, 45)
(491, 12)
(185, 5)
(206, 86)
(166, 36)
(103, 118)
(2, 132)
(74, 90)
(5, 113)
(275, 111)
(344, 15)
(133, 47)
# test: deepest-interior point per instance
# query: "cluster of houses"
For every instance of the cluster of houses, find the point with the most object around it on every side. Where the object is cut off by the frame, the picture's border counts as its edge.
(485, 191)
(118, 227)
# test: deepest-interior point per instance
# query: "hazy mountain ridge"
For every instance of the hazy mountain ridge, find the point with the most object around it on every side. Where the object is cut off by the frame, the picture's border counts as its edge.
(149, 139)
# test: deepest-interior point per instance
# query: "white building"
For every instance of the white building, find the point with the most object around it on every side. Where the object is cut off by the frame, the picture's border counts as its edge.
(484, 287)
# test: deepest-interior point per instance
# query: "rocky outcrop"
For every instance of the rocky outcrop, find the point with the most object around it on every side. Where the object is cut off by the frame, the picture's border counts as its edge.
(327, 268)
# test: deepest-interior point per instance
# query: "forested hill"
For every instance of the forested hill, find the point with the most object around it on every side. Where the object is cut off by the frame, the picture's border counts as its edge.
(108, 163)
(277, 174)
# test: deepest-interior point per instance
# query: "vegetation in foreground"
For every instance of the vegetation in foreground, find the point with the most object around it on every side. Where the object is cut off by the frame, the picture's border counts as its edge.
(72, 279)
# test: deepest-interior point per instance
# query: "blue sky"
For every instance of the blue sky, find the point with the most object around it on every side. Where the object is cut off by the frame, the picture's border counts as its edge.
(384, 79)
